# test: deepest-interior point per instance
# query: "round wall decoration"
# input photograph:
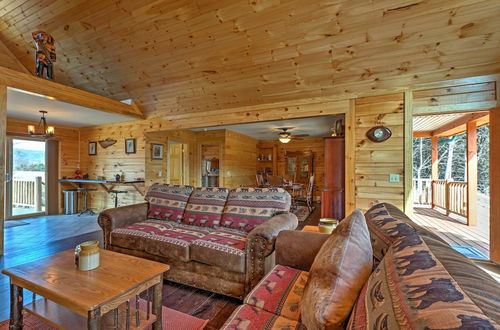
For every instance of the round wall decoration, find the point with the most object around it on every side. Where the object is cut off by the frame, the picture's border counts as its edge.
(379, 133)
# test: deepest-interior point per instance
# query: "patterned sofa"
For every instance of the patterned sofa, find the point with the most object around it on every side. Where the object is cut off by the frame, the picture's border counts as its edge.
(417, 282)
(215, 239)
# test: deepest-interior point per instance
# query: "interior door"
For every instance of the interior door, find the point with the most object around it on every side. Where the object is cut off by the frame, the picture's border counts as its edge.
(26, 177)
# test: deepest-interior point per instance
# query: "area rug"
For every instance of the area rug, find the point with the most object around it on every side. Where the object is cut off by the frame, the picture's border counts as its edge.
(172, 320)
(470, 252)
(302, 213)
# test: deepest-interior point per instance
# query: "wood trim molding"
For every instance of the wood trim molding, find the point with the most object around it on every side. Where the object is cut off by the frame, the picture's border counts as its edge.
(3, 138)
(408, 153)
(30, 83)
(350, 157)
(495, 177)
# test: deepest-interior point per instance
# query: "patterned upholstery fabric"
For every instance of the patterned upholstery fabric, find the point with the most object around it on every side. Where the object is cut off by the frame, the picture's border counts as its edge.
(412, 289)
(167, 202)
(252, 318)
(387, 224)
(222, 247)
(157, 237)
(205, 207)
(280, 292)
(247, 208)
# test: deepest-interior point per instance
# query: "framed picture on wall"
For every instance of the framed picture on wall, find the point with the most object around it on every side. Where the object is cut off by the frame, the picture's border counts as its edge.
(130, 146)
(157, 151)
(93, 148)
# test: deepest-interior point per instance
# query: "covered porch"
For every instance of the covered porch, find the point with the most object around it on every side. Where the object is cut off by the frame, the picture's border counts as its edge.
(452, 208)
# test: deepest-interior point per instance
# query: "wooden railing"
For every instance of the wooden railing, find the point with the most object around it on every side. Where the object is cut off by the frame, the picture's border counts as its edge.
(422, 191)
(28, 193)
(450, 196)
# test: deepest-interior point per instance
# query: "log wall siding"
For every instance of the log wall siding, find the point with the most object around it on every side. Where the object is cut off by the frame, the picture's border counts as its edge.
(240, 153)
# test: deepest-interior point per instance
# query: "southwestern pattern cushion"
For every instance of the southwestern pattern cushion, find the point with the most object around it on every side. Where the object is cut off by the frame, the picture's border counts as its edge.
(222, 247)
(413, 289)
(205, 207)
(167, 202)
(337, 275)
(253, 318)
(247, 208)
(280, 292)
(157, 237)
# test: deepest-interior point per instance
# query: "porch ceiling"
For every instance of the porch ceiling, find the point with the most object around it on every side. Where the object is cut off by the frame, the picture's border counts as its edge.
(432, 123)
(447, 124)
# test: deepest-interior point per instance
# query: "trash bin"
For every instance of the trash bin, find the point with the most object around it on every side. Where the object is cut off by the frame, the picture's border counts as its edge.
(70, 201)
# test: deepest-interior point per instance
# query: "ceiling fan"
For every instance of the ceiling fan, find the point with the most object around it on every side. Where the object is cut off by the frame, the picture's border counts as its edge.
(285, 136)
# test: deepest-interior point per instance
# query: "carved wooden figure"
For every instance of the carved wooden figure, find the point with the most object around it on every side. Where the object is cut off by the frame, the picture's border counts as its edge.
(45, 54)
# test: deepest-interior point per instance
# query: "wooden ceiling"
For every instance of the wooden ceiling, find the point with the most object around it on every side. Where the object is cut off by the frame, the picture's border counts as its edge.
(183, 56)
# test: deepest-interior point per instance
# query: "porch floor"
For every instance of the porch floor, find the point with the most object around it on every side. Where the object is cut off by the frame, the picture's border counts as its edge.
(454, 231)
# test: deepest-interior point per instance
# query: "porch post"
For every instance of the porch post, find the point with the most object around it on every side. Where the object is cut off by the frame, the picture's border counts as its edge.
(471, 173)
(434, 169)
(3, 137)
(494, 179)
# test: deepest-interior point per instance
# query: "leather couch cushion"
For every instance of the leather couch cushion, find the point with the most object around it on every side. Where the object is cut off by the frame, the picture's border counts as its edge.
(280, 292)
(167, 202)
(205, 207)
(224, 248)
(247, 208)
(252, 318)
(423, 284)
(159, 238)
(387, 224)
(339, 271)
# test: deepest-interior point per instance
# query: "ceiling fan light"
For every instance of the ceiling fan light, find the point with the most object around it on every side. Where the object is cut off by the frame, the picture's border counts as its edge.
(284, 139)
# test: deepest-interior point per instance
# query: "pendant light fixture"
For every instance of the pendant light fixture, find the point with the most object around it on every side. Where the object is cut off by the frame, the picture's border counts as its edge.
(42, 130)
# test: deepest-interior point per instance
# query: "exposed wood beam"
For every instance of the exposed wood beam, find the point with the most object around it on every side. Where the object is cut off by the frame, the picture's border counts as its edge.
(471, 173)
(67, 94)
(459, 125)
(4, 49)
(422, 134)
(3, 138)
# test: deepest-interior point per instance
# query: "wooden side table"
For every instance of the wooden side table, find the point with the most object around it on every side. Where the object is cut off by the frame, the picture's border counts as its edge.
(313, 229)
(75, 299)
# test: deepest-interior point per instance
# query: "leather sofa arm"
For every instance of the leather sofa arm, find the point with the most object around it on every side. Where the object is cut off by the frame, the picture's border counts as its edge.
(297, 249)
(260, 244)
(121, 216)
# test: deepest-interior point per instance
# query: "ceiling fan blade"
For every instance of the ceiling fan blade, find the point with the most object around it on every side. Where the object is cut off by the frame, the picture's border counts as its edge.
(300, 135)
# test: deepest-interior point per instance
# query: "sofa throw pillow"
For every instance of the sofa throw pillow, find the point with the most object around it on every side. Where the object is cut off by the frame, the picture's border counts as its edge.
(167, 202)
(339, 271)
(422, 284)
(205, 207)
(247, 208)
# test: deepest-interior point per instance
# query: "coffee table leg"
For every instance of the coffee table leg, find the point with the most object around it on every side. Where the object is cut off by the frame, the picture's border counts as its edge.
(157, 298)
(94, 320)
(16, 307)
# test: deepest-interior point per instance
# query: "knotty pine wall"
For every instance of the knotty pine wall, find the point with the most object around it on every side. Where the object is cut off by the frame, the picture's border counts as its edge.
(375, 161)
(238, 166)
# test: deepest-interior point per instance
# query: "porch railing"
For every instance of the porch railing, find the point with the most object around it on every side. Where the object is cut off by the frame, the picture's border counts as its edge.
(451, 196)
(28, 193)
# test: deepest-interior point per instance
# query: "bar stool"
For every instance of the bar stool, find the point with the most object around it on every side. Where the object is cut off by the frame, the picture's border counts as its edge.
(116, 192)
(87, 209)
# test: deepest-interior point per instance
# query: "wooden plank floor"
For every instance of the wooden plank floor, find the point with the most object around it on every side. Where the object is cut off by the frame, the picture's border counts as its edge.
(199, 303)
(453, 231)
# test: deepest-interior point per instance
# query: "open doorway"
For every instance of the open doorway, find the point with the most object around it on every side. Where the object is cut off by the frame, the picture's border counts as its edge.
(451, 178)
(26, 178)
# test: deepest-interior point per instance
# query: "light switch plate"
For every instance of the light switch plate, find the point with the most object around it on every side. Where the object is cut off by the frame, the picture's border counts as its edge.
(393, 177)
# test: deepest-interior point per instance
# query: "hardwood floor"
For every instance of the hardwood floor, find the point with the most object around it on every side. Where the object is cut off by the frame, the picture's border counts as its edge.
(23, 245)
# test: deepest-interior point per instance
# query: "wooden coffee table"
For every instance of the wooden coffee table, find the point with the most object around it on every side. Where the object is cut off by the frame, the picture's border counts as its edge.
(75, 299)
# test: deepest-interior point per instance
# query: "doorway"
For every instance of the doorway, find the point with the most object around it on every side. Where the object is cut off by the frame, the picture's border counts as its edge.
(177, 163)
(26, 178)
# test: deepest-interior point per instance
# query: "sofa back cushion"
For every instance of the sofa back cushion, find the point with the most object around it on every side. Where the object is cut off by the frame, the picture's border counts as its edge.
(422, 283)
(205, 207)
(167, 202)
(339, 271)
(247, 208)
(387, 224)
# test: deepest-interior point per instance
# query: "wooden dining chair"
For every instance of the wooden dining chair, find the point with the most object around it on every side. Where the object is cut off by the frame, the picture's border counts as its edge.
(307, 197)
(275, 181)
(260, 180)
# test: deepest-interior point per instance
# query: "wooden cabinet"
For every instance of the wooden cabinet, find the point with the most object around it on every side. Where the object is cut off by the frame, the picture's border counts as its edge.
(299, 166)
(333, 194)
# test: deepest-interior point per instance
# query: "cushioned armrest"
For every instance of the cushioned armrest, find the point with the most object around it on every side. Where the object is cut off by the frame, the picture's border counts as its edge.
(297, 249)
(260, 244)
(489, 266)
(121, 216)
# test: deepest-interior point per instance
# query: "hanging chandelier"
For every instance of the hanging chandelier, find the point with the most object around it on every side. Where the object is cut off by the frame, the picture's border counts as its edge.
(42, 130)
